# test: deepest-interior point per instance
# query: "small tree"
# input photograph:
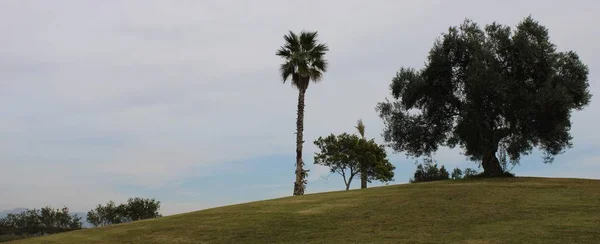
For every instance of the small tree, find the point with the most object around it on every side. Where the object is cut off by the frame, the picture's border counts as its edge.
(470, 173)
(457, 174)
(344, 153)
(40, 221)
(107, 215)
(140, 208)
(444, 173)
(135, 209)
(429, 172)
(55, 218)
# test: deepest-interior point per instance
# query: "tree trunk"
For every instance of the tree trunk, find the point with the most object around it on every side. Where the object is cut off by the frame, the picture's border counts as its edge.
(300, 183)
(349, 181)
(363, 172)
(491, 165)
(363, 179)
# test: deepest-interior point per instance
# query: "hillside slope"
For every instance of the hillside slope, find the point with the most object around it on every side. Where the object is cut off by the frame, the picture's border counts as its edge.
(517, 210)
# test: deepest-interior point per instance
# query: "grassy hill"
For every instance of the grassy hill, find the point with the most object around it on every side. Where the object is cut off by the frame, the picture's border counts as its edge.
(517, 210)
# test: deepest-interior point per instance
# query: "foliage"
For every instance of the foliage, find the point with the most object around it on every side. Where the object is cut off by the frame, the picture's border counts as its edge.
(304, 60)
(39, 222)
(347, 154)
(485, 87)
(135, 209)
(457, 174)
(107, 215)
(360, 127)
(470, 173)
(429, 172)
(141, 208)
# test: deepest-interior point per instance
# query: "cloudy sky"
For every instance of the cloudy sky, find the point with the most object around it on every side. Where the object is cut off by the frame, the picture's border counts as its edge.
(182, 101)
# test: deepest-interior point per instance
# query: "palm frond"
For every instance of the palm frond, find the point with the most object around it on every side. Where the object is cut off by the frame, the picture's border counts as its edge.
(360, 126)
(286, 70)
(284, 52)
(315, 75)
(292, 42)
(303, 69)
(320, 64)
(304, 58)
(308, 40)
(319, 50)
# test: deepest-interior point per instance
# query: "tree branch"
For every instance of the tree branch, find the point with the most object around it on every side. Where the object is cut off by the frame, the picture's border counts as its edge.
(349, 181)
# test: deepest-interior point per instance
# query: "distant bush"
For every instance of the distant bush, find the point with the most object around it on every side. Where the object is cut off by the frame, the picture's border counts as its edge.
(35, 222)
(470, 173)
(134, 209)
(429, 171)
(457, 174)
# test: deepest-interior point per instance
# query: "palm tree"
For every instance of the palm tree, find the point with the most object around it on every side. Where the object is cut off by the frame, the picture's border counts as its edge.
(303, 62)
(363, 171)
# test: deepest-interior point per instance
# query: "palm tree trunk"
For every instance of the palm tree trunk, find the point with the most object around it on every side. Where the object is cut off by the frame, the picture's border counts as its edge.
(300, 183)
(363, 173)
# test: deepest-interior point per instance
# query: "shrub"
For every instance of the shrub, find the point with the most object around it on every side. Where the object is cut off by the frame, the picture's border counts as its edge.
(35, 222)
(429, 171)
(457, 174)
(135, 209)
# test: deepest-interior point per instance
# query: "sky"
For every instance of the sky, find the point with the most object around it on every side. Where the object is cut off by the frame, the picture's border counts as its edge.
(182, 101)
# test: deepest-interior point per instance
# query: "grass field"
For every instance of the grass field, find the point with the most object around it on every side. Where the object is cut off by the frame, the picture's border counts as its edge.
(515, 210)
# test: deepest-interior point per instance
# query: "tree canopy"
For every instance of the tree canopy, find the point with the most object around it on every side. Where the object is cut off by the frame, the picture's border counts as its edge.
(135, 209)
(304, 58)
(429, 171)
(481, 88)
(347, 154)
(46, 220)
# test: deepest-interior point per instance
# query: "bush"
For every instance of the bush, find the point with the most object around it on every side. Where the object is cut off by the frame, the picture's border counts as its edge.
(473, 174)
(429, 172)
(135, 209)
(469, 173)
(457, 174)
(482, 175)
(35, 222)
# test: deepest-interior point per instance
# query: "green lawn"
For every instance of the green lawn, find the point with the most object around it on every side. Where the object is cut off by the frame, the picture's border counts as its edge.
(515, 210)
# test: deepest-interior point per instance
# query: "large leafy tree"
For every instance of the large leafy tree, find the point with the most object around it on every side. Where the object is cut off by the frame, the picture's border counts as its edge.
(349, 155)
(481, 88)
(304, 61)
